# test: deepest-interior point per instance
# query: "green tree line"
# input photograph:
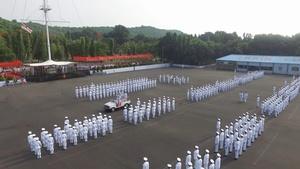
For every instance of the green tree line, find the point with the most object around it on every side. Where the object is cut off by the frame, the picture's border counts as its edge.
(206, 48)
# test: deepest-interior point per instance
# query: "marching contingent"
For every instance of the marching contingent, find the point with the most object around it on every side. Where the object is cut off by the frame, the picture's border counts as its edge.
(239, 135)
(104, 90)
(94, 127)
(275, 104)
(174, 79)
(136, 114)
(201, 93)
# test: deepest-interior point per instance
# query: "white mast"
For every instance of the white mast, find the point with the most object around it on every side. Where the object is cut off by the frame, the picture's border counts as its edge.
(45, 9)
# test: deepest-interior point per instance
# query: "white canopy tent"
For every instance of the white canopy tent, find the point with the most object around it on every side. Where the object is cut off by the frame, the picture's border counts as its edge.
(50, 63)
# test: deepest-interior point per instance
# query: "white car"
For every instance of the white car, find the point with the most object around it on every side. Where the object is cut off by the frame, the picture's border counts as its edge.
(121, 101)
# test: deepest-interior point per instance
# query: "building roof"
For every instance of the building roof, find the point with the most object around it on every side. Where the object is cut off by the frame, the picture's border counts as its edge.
(261, 59)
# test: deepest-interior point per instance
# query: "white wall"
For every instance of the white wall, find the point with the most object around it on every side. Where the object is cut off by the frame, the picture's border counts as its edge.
(280, 69)
(190, 66)
(129, 69)
(253, 64)
(291, 72)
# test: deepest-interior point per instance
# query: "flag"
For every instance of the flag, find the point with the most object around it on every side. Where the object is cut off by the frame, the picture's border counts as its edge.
(26, 28)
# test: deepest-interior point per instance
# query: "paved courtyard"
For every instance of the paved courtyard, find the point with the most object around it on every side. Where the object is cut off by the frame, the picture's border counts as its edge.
(37, 105)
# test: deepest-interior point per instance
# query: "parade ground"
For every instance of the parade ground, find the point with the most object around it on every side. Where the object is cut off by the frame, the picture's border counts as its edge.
(37, 105)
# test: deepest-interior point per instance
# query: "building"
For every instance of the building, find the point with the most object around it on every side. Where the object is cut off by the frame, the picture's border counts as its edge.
(270, 64)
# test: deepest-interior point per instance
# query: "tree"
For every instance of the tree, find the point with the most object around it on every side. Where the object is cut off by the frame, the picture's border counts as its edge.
(6, 54)
(120, 34)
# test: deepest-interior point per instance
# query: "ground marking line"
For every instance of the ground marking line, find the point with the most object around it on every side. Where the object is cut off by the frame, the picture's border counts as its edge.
(265, 149)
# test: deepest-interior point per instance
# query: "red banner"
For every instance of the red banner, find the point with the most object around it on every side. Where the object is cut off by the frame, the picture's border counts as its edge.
(12, 64)
(145, 56)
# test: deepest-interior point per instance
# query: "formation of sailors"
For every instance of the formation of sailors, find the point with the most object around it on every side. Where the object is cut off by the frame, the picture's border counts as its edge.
(94, 127)
(193, 160)
(174, 79)
(236, 138)
(104, 90)
(201, 93)
(146, 111)
(275, 104)
(238, 135)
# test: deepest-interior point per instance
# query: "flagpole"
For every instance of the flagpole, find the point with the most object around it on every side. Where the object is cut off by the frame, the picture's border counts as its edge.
(45, 9)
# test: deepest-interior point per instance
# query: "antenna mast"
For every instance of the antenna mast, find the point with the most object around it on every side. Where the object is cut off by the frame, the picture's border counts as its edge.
(45, 8)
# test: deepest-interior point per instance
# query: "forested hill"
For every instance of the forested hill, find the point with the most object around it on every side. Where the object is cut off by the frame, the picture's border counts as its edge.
(147, 31)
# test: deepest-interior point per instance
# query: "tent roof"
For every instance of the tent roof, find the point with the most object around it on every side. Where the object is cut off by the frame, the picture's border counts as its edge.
(50, 63)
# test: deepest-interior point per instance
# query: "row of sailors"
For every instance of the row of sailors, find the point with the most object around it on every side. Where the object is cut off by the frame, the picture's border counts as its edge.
(193, 161)
(202, 93)
(278, 102)
(152, 109)
(100, 91)
(93, 128)
(35, 145)
(249, 76)
(174, 79)
(238, 136)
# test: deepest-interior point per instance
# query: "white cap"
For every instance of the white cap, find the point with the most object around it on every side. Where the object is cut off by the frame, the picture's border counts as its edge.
(218, 155)
(188, 152)
(190, 164)
(29, 132)
(196, 147)
(206, 151)
(212, 161)
(66, 117)
(109, 117)
(43, 129)
(178, 159)
(55, 125)
(169, 165)
(198, 156)
(145, 159)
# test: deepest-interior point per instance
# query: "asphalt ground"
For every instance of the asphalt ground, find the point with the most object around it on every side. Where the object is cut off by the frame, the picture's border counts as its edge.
(37, 105)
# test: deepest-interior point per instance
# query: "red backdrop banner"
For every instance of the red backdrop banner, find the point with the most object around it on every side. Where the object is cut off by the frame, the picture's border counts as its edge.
(12, 64)
(144, 56)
